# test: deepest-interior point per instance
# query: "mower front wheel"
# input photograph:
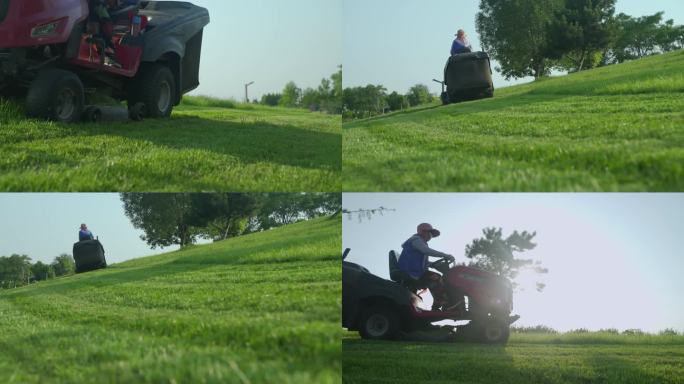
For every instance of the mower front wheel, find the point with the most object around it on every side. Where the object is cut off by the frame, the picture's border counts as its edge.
(155, 87)
(56, 94)
(379, 323)
(489, 332)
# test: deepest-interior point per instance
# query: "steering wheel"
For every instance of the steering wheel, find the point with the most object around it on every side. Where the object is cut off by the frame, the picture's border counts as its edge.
(445, 261)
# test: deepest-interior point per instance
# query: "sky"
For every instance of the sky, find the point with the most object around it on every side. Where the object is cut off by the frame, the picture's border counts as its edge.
(270, 42)
(614, 260)
(45, 225)
(400, 43)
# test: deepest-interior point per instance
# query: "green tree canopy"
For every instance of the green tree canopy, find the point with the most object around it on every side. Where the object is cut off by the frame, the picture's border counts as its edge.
(271, 99)
(419, 94)
(64, 265)
(225, 214)
(165, 218)
(643, 36)
(365, 101)
(15, 271)
(397, 102)
(291, 96)
(311, 99)
(580, 33)
(495, 253)
(42, 271)
(515, 34)
(180, 218)
(285, 208)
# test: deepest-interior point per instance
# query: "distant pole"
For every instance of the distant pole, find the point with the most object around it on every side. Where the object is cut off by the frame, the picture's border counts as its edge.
(247, 94)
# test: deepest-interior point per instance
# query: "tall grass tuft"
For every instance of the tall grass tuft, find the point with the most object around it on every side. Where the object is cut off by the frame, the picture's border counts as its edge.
(208, 101)
(10, 111)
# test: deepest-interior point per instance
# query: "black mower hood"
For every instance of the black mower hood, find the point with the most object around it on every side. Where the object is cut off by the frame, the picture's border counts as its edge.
(170, 25)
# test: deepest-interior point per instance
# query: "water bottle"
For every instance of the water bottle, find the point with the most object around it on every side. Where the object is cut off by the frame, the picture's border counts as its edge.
(135, 27)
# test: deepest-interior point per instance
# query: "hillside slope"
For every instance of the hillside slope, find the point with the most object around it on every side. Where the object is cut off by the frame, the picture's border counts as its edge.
(617, 128)
(202, 147)
(259, 308)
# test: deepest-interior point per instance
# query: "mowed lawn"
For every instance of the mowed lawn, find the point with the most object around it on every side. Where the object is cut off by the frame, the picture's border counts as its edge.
(202, 147)
(568, 359)
(263, 308)
(617, 128)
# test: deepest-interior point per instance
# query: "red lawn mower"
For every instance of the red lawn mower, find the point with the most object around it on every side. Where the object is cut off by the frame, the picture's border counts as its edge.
(384, 309)
(57, 53)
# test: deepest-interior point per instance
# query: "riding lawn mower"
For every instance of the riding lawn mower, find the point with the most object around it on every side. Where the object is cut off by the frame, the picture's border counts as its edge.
(393, 309)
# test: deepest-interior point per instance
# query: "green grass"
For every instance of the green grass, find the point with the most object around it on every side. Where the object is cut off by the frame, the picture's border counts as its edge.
(527, 358)
(263, 308)
(617, 128)
(207, 145)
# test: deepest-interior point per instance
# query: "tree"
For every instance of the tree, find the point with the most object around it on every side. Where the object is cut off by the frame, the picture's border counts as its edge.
(396, 102)
(419, 94)
(311, 99)
(643, 36)
(64, 265)
(580, 32)
(286, 208)
(360, 102)
(271, 99)
(335, 104)
(165, 218)
(225, 214)
(495, 254)
(515, 34)
(291, 95)
(42, 271)
(15, 271)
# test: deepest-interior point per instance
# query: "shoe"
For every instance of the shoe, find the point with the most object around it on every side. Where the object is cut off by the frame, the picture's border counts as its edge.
(111, 62)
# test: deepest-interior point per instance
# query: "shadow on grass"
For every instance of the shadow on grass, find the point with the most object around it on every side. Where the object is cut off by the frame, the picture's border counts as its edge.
(250, 142)
(610, 368)
(466, 108)
(366, 361)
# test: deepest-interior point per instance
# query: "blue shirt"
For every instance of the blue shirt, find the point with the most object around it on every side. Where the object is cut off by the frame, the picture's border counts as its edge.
(411, 260)
(457, 46)
(84, 235)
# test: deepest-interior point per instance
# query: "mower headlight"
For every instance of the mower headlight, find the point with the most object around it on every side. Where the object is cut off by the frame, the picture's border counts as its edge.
(45, 29)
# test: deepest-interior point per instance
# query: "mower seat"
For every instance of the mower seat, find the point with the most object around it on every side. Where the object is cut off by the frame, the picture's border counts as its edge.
(399, 276)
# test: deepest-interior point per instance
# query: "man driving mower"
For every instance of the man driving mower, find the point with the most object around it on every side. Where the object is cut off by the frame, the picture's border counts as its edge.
(414, 261)
(102, 28)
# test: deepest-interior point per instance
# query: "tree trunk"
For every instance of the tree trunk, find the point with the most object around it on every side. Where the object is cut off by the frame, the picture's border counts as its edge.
(581, 63)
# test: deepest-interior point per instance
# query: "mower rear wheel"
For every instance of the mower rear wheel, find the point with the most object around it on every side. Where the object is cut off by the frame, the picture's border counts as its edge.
(155, 87)
(56, 94)
(495, 333)
(379, 323)
(445, 98)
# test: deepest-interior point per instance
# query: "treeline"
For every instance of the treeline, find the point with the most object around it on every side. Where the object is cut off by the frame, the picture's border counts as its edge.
(327, 97)
(565, 35)
(168, 219)
(543, 329)
(569, 35)
(17, 270)
(182, 218)
(372, 100)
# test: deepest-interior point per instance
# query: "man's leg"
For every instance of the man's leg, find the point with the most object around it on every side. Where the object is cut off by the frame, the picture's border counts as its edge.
(436, 286)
